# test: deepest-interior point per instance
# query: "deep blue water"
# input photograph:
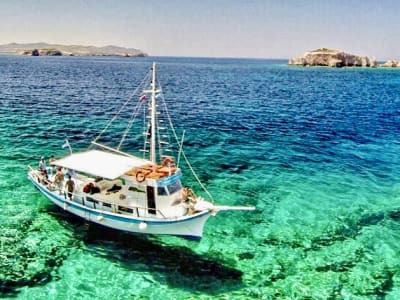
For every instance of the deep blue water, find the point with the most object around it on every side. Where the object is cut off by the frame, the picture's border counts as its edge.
(316, 150)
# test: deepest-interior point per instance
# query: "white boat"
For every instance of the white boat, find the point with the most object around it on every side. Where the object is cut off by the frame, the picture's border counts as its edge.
(131, 193)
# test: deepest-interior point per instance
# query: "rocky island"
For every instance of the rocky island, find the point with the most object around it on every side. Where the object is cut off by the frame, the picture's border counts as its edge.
(332, 58)
(391, 64)
(44, 49)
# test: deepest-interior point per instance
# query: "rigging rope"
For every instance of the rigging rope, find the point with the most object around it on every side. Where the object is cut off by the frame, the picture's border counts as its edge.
(181, 147)
(133, 118)
(123, 106)
(138, 106)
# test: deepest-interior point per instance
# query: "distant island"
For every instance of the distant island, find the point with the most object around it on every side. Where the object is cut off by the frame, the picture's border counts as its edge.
(332, 58)
(338, 58)
(44, 49)
(391, 64)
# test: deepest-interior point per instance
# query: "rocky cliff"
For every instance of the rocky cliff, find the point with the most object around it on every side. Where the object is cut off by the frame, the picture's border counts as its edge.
(42, 52)
(391, 64)
(39, 49)
(332, 58)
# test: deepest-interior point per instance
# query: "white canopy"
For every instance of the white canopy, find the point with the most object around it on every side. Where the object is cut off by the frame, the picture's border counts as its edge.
(99, 163)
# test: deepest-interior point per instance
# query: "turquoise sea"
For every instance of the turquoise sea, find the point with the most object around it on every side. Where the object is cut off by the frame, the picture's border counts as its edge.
(316, 150)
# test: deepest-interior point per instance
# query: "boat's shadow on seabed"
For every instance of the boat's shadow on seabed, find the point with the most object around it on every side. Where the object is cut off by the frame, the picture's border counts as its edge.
(176, 266)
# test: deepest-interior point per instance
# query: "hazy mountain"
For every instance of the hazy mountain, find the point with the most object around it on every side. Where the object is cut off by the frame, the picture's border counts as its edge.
(74, 50)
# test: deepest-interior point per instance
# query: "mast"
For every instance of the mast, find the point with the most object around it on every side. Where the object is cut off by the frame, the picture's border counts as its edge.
(153, 117)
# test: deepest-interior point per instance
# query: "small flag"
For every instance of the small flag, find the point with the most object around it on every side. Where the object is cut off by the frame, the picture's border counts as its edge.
(142, 98)
(66, 144)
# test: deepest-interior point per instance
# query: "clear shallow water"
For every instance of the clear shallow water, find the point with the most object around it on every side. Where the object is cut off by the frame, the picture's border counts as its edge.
(316, 150)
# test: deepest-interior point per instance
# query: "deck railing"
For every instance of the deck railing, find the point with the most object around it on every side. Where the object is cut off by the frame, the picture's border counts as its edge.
(40, 178)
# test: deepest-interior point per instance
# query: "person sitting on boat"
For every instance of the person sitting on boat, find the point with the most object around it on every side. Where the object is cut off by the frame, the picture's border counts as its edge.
(70, 185)
(59, 179)
(189, 199)
(185, 193)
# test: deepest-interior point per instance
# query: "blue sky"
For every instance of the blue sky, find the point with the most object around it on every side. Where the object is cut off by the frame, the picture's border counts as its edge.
(219, 28)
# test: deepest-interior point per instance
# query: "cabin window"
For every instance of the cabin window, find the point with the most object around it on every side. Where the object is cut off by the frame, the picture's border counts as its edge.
(173, 188)
(107, 204)
(91, 200)
(125, 209)
(161, 191)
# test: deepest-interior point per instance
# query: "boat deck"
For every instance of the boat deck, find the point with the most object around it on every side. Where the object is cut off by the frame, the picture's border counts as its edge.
(110, 195)
(105, 190)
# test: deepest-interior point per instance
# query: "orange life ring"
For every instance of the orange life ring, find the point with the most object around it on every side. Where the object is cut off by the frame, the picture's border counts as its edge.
(140, 176)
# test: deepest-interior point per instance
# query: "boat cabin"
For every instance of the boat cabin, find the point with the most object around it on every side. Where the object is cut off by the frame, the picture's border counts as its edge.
(126, 185)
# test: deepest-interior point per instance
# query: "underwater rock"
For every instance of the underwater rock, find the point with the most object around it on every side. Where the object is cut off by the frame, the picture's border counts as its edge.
(394, 215)
(30, 253)
(235, 168)
(336, 267)
(349, 229)
(246, 255)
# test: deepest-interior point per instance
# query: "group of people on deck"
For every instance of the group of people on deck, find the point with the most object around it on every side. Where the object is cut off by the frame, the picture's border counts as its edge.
(59, 176)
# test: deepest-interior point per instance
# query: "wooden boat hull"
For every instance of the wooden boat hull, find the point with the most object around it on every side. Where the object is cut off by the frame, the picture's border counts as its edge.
(190, 226)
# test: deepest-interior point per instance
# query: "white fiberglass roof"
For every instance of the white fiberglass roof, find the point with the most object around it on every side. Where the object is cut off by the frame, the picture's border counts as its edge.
(99, 163)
